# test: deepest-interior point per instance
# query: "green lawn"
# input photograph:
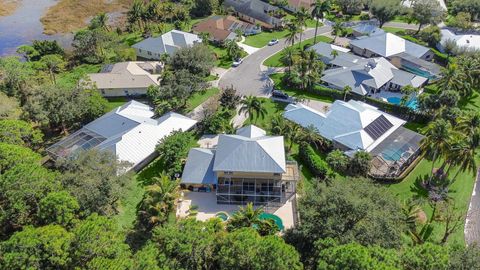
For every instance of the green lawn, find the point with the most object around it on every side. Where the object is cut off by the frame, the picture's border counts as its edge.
(116, 102)
(401, 19)
(223, 60)
(277, 80)
(262, 39)
(200, 97)
(274, 60)
(460, 191)
(273, 108)
(393, 29)
(128, 205)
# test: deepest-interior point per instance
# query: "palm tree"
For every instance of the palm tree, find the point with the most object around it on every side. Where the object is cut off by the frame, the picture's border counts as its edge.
(102, 21)
(159, 200)
(319, 8)
(292, 133)
(278, 124)
(293, 31)
(436, 140)
(469, 123)
(205, 36)
(301, 17)
(311, 135)
(347, 89)
(253, 106)
(464, 155)
(135, 14)
(452, 78)
(246, 216)
(334, 54)
(337, 28)
(287, 56)
(233, 50)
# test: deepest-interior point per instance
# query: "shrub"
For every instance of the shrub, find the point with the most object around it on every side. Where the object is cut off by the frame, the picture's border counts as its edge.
(337, 160)
(360, 164)
(316, 165)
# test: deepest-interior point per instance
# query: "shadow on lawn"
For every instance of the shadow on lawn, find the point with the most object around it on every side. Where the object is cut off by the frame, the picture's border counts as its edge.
(417, 189)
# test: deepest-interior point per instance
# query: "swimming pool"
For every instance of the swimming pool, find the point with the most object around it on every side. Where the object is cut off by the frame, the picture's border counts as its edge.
(222, 215)
(412, 103)
(275, 218)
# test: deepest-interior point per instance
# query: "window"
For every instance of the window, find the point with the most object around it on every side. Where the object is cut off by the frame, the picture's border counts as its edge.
(149, 53)
(126, 92)
(103, 91)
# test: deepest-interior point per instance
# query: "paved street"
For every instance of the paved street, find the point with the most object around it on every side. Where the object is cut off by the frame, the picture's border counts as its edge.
(248, 78)
(472, 224)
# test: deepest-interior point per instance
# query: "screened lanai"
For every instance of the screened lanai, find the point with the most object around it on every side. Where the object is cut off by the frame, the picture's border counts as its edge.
(83, 139)
(393, 155)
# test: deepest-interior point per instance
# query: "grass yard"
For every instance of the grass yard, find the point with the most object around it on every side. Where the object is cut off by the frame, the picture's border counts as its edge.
(393, 29)
(116, 102)
(200, 97)
(274, 60)
(460, 192)
(273, 108)
(262, 39)
(400, 18)
(223, 60)
(128, 205)
(279, 85)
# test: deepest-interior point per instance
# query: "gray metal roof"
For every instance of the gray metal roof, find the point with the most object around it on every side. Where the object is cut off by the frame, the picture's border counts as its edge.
(254, 8)
(367, 29)
(236, 153)
(199, 167)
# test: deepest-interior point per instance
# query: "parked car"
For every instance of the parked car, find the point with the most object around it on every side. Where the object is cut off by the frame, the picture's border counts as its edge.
(237, 62)
(280, 94)
(272, 42)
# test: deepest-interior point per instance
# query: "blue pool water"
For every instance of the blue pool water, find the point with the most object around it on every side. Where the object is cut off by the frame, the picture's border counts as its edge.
(412, 103)
(275, 218)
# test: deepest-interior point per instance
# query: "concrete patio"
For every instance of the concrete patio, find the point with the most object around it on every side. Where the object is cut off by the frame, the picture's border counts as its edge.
(208, 207)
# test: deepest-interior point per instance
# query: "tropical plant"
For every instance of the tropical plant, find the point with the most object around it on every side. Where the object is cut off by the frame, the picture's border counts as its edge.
(254, 107)
(338, 29)
(320, 7)
(250, 217)
(301, 17)
(346, 90)
(158, 201)
(436, 140)
(288, 53)
(233, 50)
(292, 33)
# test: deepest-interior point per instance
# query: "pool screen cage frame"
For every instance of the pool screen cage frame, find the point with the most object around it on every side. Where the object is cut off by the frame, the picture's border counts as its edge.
(388, 165)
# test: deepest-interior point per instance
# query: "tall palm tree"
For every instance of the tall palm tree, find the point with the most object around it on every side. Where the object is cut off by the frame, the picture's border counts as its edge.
(319, 8)
(292, 35)
(159, 200)
(452, 78)
(464, 155)
(436, 140)
(337, 28)
(254, 107)
(469, 123)
(287, 56)
(301, 17)
(292, 133)
(278, 124)
(334, 54)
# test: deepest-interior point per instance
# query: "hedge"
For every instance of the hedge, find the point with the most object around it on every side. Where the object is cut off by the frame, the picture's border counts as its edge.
(315, 164)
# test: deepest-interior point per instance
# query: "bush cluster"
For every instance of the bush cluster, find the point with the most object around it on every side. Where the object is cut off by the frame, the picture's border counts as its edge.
(316, 165)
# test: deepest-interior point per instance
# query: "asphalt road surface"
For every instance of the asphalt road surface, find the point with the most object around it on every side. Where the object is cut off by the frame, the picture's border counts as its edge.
(249, 78)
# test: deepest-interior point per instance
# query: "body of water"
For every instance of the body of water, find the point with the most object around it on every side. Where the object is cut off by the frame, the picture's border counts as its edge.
(23, 26)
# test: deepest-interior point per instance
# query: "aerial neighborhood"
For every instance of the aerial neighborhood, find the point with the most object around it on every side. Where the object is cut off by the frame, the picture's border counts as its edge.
(241, 134)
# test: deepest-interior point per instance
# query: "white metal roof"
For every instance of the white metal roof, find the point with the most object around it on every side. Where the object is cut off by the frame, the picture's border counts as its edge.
(131, 133)
(168, 42)
(469, 41)
(345, 122)
(388, 44)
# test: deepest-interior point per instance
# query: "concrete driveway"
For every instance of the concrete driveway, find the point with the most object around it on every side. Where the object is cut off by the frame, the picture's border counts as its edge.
(249, 79)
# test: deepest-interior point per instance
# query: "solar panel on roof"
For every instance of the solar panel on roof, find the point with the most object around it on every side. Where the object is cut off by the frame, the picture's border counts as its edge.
(378, 127)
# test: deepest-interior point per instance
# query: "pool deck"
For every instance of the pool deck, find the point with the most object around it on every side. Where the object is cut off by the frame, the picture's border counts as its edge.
(208, 207)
